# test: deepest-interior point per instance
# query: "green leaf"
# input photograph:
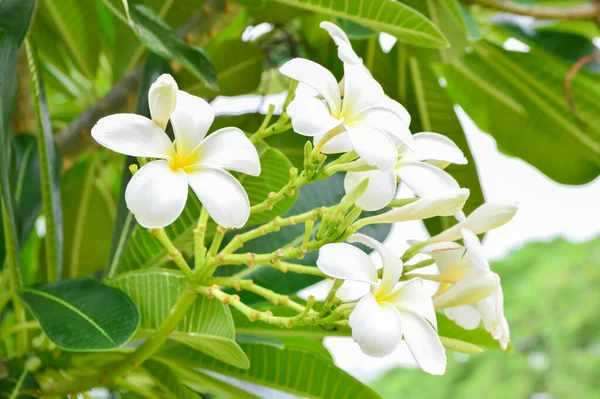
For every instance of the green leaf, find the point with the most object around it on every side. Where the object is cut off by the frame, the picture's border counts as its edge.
(82, 314)
(49, 172)
(392, 17)
(518, 98)
(170, 382)
(354, 30)
(479, 336)
(208, 326)
(160, 39)
(239, 67)
(89, 209)
(295, 370)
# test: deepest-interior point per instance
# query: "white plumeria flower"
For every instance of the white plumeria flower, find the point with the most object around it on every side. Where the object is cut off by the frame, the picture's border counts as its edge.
(157, 193)
(469, 291)
(365, 120)
(444, 204)
(486, 217)
(420, 168)
(391, 310)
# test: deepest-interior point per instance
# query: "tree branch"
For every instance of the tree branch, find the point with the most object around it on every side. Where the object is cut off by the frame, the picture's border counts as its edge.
(580, 11)
(199, 28)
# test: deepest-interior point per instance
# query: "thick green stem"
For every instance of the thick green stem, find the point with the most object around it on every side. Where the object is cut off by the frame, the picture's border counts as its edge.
(174, 254)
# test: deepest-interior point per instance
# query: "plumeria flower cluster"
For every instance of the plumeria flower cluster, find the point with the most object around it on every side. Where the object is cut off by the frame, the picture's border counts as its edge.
(353, 117)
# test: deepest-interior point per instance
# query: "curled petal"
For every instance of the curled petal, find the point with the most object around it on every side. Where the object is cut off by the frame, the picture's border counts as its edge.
(337, 144)
(375, 327)
(424, 343)
(466, 316)
(345, 51)
(134, 135)
(191, 120)
(361, 90)
(412, 296)
(162, 98)
(346, 262)
(384, 119)
(395, 107)
(474, 250)
(230, 149)
(392, 265)
(223, 196)
(156, 194)
(491, 309)
(487, 217)
(473, 287)
(374, 147)
(317, 77)
(380, 190)
(433, 147)
(424, 179)
(310, 116)
(446, 204)
(502, 334)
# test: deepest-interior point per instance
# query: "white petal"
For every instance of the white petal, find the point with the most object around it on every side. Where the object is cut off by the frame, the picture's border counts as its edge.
(474, 252)
(386, 120)
(424, 343)
(502, 334)
(345, 51)
(450, 261)
(433, 147)
(162, 98)
(446, 204)
(339, 143)
(394, 106)
(491, 309)
(380, 190)
(346, 262)
(134, 135)
(412, 296)
(361, 90)
(466, 316)
(374, 147)
(230, 149)
(310, 116)
(424, 179)
(223, 196)
(473, 287)
(156, 194)
(351, 291)
(317, 77)
(392, 265)
(191, 120)
(375, 327)
(487, 217)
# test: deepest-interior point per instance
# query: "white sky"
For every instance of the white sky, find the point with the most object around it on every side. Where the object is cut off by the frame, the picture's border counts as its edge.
(546, 210)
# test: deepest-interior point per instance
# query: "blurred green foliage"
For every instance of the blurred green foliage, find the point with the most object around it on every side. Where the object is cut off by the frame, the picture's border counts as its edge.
(551, 298)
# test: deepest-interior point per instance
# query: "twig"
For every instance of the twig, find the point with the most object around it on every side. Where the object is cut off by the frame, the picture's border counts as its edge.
(571, 75)
(578, 11)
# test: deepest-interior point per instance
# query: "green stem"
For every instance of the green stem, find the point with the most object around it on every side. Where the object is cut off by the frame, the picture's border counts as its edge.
(337, 283)
(14, 276)
(141, 354)
(199, 234)
(217, 240)
(15, 392)
(267, 119)
(174, 254)
(287, 191)
(28, 325)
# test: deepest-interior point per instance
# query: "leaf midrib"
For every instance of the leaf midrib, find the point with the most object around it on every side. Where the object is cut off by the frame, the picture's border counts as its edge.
(73, 308)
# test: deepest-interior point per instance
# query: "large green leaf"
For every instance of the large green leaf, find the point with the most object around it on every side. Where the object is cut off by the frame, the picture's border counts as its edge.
(82, 314)
(239, 67)
(143, 251)
(518, 98)
(89, 209)
(207, 327)
(392, 17)
(170, 383)
(160, 39)
(292, 369)
(49, 172)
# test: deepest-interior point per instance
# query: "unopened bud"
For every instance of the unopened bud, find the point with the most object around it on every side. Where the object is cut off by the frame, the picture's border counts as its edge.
(133, 168)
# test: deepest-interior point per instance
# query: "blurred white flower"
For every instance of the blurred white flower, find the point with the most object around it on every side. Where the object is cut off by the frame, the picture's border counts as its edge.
(469, 291)
(391, 310)
(420, 168)
(157, 193)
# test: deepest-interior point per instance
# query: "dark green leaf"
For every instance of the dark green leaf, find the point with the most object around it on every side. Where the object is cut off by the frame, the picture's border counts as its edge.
(170, 382)
(208, 326)
(49, 172)
(161, 40)
(82, 314)
(391, 17)
(294, 369)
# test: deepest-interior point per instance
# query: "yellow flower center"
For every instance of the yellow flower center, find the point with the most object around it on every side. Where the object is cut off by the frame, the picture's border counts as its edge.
(184, 160)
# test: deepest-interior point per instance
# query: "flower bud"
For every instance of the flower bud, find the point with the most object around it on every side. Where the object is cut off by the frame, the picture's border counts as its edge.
(162, 98)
